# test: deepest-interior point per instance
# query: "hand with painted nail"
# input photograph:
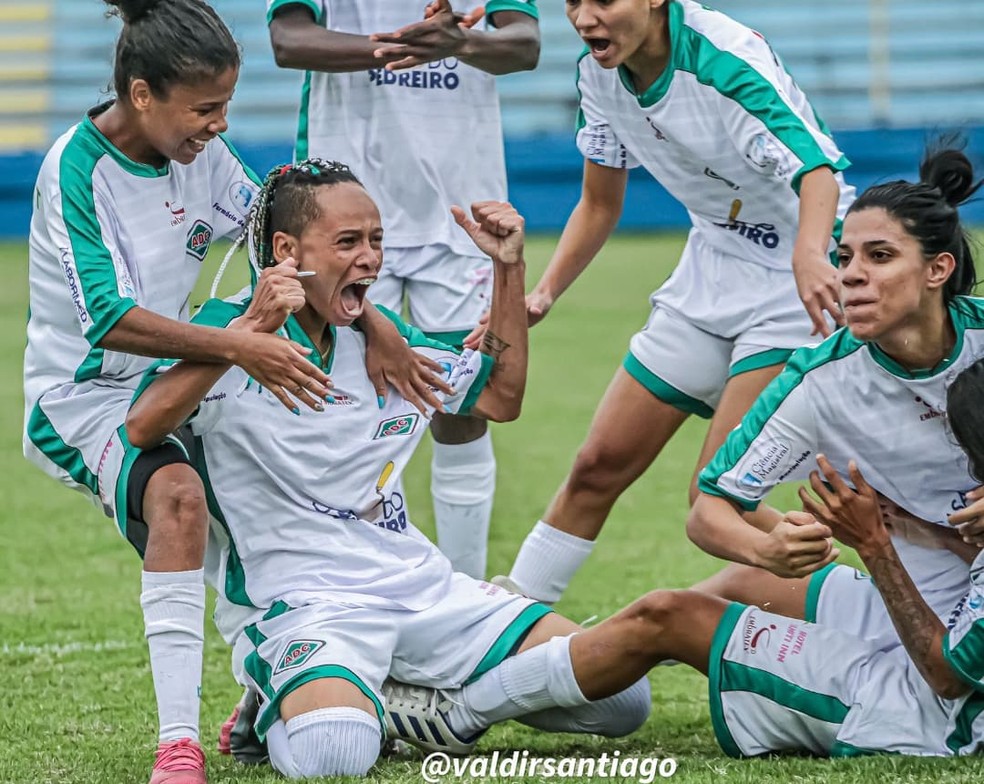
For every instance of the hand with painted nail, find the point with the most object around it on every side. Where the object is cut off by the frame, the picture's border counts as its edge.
(969, 521)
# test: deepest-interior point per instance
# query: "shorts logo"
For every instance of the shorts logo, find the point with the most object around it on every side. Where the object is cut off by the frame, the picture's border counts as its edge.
(199, 238)
(298, 652)
(397, 426)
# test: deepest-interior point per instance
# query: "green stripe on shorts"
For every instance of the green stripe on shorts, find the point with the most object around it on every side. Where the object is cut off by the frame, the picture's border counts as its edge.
(665, 392)
(503, 647)
(719, 644)
(813, 592)
(774, 356)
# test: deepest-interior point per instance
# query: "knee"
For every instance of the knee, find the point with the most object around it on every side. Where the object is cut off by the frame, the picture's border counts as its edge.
(654, 614)
(626, 711)
(175, 499)
(596, 469)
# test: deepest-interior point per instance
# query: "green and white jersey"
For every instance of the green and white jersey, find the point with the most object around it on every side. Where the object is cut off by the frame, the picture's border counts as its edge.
(724, 129)
(846, 399)
(963, 647)
(420, 139)
(310, 508)
(107, 235)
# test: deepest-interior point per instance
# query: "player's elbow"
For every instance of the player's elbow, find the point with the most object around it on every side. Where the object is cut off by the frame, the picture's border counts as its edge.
(284, 45)
(697, 521)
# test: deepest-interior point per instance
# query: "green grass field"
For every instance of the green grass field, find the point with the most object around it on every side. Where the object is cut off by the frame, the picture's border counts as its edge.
(75, 688)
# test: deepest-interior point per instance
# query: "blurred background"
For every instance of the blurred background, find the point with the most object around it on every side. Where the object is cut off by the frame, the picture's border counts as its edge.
(886, 75)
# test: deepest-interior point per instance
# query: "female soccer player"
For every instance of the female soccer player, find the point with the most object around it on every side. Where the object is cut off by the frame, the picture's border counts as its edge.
(705, 105)
(874, 392)
(327, 589)
(126, 205)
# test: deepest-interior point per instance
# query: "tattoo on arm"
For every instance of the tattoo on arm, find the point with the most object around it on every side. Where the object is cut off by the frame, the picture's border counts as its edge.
(920, 630)
(493, 345)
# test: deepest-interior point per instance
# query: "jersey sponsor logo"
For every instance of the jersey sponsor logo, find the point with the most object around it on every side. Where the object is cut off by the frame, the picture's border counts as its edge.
(660, 136)
(438, 75)
(177, 212)
(199, 238)
(241, 194)
(73, 285)
(228, 214)
(764, 154)
(763, 234)
(298, 652)
(796, 464)
(397, 426)
(929, 412)
(762, 461)
(709, 172)
(339, 400)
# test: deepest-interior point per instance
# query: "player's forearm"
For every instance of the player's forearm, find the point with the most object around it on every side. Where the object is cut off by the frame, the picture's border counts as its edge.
(919, 629)
(513, 45)
(587, 230)
(149, 334)
(717, 528)
(819, 195)
(310, 47)
(506, 341)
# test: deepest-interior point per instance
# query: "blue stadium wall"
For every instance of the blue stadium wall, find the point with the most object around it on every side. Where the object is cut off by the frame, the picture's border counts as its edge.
(545, 177)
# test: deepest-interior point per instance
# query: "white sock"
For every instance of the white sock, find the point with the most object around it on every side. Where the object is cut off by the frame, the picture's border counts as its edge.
(325, 742)
(540, 678)
(462, 486)
(614, 717)
(174, 618)
(547, 562)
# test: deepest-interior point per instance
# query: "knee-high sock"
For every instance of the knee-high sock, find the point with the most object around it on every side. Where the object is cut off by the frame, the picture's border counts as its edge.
(325, 742)
(532, 681)
(462, 487)
(615, 716)
(548, 561)
(174, 618)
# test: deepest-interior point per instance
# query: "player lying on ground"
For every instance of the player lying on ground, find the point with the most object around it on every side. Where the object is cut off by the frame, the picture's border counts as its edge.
(875, 392)
(327, 589)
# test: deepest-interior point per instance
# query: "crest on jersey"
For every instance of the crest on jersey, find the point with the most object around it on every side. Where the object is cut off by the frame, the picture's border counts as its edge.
(199, 238)
(298, 652)
(397, 426)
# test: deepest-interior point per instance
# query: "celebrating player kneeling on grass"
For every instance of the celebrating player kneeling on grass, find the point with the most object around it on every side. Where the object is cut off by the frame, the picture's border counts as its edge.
(329, 594)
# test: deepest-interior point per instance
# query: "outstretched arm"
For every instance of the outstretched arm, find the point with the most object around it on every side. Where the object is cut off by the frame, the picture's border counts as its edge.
(298, 41)
(856, 519)
(497, 230)
(513, 43)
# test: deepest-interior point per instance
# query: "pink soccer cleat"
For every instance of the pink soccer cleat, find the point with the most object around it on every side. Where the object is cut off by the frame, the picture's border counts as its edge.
(179, 762)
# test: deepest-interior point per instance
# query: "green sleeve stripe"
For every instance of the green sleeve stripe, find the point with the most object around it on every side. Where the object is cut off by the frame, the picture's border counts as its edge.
(43, 435)
(708, 487)
(529, 8)
(478, 385)
(93, 261)
(839, 165)
(739, 441)
(235, 154)
(276, 5)
(455, 339)
(967, 656)
(734, 78)
(418, 339)
(963, 727)
(303, 120)
(579, 122)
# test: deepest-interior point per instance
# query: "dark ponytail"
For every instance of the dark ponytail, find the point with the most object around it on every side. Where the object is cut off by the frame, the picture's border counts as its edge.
(167, 42)
(928, 211)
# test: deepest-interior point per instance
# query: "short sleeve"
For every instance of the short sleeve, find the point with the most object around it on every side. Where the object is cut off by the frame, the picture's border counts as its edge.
(594, 136)
(234, 187)
(316, 7)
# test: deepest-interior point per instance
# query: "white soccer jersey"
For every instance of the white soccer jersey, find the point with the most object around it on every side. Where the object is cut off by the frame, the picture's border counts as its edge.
(421, 139)
(724, 129)
(310, 506)
(107, 235)
(847, 400)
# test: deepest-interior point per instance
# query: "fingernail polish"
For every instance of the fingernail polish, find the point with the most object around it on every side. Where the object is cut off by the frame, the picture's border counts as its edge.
(296, 411)
(381, 401)
(329, 399)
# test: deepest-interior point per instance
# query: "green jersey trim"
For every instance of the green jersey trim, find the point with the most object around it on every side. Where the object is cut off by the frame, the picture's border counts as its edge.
(527, 7)
(296, 333)
(43, 435)
(817, 580)
(93, 261)
(579, 121)
(454, 338)
(235, 154)
(130, 455)
(965, 313)
(417, 338)
(763, 359)
(963, 730)
(303, 120)
(478, 385)
(655, 92)
(235, 576)
(840, 749)
(665, 392)
(89, 130)
(803, 362)
(312, 5)
(509, 641)
(967, 656)
(719, 643)
(837, 166)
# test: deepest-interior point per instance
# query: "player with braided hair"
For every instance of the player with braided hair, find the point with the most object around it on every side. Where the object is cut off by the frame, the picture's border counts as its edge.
(126, 205)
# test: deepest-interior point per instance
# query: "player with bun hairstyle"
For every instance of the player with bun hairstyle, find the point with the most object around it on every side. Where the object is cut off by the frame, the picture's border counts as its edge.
(874, 393)
(126, 205)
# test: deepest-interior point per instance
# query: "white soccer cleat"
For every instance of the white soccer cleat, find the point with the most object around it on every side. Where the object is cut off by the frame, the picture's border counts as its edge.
(418, 715)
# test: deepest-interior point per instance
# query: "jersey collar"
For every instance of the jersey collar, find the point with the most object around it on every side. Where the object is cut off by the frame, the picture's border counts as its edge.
(139, 169)
(298, 335)
(893, 367)
(658, 89)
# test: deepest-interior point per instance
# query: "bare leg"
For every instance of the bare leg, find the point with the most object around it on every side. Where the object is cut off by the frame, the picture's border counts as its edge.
(758, 587)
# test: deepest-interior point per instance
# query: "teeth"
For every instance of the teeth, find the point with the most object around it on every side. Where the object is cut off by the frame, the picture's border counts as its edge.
(365, 282)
